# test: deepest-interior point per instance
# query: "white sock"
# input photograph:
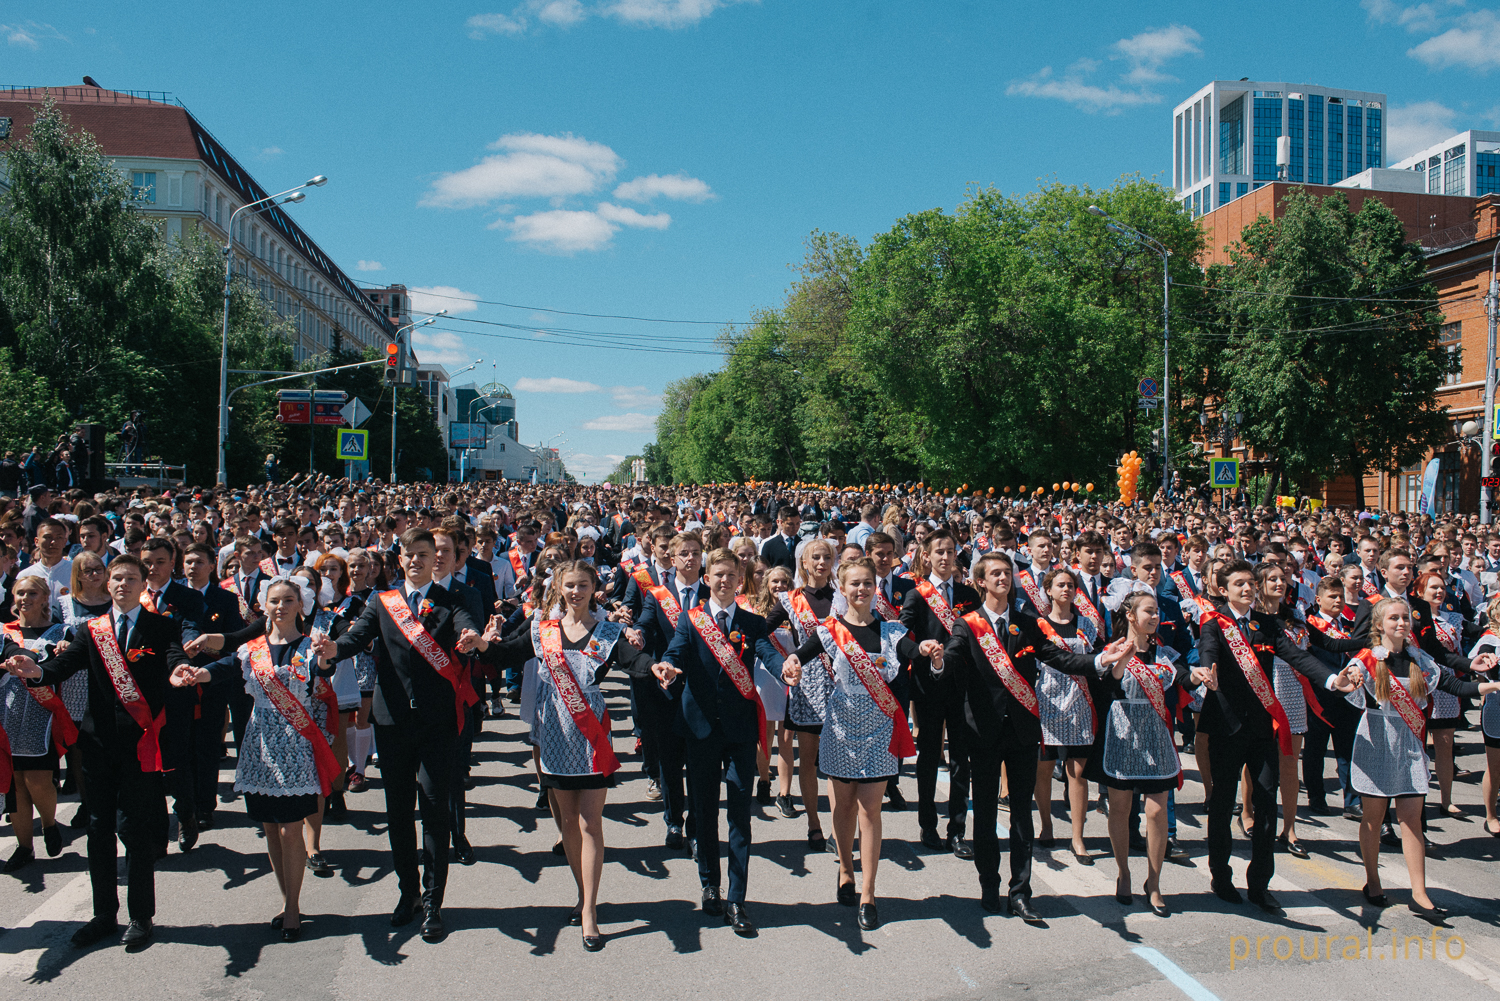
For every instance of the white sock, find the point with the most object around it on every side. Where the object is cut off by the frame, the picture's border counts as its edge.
(363, 739)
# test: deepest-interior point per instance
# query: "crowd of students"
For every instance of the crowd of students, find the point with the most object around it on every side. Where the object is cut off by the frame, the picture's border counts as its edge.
(775, 644)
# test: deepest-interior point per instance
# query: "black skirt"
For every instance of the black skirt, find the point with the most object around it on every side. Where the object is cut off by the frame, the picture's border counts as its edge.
(816, 729)
(35, 763)
(1447, 723)
(1142, 786)
(1064, 752)
(280, 809)
(550, 781)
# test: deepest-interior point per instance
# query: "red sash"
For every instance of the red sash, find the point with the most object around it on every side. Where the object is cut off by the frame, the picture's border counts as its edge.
(324, 693)
(1401, 700)
(746, 602)
(293, 711)
(1183, 584)
(883, 608)
(859, 659)
(994, 651)
(1082, 603)
(1033, 591)
(1446, 634)
(268, 567)
(1327, 627)
(937, 603)
(729, 661)
(517, 561)
(228, 584)
(665, 599)
(593, 729)
(64, 732)
(148, 750)
(1367, 585)
(807, 622)
(421, 640)
(1249, 666)
(1050, 631)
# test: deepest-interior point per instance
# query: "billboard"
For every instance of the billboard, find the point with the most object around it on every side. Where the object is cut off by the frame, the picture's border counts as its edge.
(461, 435)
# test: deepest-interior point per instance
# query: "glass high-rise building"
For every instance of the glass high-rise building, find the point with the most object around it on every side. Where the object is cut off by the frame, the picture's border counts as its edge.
(1224, 138)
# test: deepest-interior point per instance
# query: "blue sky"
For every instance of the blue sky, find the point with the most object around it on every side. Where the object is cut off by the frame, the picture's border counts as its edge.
(665, 159)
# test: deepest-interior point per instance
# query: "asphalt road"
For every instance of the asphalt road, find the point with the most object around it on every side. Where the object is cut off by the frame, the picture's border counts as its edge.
(509, 938)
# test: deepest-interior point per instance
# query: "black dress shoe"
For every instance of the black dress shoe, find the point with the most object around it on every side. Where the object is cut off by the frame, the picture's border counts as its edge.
(784, 805)
(205, 822)
(763, 792)
(869, 917)
(319, 866)
(1004, 802)
(736, 916)
(560, 849)
(1123, 899)
(19, 859)
(816, 842)
(961, 849)
(52, 840)
(463, 852)
(80, 819)
(848, 895)
(1048, 843)
(1021, 908)
(575, 918)
(1434, 915)
(931, 840)
(1266, 901)
(96, 931)
(335, 809)
(432, 924)
(894, 800)
(1320, 809)
(991, 900)
(1292, 847)
(138, 935)
(277, 922)
(674, 840)
(713, 904)
(406, 910)
(291, 934)
(1226, 892)
(1377, 900)
(593, 943)
(1083, 858)
(1388, 836)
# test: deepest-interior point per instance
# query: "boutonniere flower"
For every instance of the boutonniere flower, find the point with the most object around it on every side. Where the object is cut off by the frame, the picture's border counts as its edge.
(1379, 652)
(298, 667)
(215, 617)
(425, 609)
(1255, 627)
(138, 653)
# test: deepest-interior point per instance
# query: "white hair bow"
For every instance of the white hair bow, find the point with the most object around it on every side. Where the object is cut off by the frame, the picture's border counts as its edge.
(303, 586)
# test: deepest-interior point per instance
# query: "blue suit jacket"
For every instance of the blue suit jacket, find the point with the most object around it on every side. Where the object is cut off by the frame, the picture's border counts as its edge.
(710, 705)
(1173, 630)
(655, 624)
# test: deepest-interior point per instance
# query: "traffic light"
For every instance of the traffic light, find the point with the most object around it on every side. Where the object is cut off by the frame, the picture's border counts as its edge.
(392, 363)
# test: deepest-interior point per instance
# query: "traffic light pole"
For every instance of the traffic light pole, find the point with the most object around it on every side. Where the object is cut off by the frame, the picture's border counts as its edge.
(295, 375)
(1487, 423)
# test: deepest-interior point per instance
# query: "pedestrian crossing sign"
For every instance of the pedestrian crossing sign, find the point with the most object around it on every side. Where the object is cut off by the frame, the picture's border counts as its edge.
(354, 446)
(1224, 474)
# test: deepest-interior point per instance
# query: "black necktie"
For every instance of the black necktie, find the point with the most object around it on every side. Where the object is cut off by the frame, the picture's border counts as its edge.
(413, 599)
(124, 631)
(723, 620)
(885, 586)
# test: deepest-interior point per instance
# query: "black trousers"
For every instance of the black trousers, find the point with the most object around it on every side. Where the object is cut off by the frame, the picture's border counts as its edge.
(715, 760)
(463, 749)
(930, 714)
(112, 772)
(1019, 756)
(208, 745)
(1262, 755)
(178, 754)
(663, 749)
(1345, 720)
(646, 717)
(416, 766)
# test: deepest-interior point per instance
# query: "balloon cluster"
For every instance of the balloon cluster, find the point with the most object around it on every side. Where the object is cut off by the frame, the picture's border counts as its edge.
(1130, 475)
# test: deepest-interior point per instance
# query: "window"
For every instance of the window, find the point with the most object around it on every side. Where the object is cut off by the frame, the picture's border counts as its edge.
(1453, 171)
(1197, 142)
(174, 190)
(218, 210)
(1242, 189)
(1335, 140)
(1450, 339)
(1372, 137)
(143, 185)
(1267, 130)
(208, 196)
(1356, 145)
(1485, 181)
(1232, 137)
(1223, 193)
(1434, 175)
(1294, 132)
(1177, 153)
(1409, 488)
(1315, 139)
(1445, 497)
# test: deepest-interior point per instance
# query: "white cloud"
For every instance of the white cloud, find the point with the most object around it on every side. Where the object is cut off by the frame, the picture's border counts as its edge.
(554, 384)
(271, 151)
(634, 396)
(431, 298)
(30, 34)
(1474, 41)
(562, 231)
(588, 467)
(567, 13)
(369, 266)
(630, 217)
(440, 348)
(1146, 53)
(1422, 17)
(680, 187)
(621, 422)
(1413, 127)
(532, 165)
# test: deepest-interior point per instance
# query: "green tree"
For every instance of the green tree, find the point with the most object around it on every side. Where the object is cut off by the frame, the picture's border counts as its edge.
(30, 413)
(1330, 333)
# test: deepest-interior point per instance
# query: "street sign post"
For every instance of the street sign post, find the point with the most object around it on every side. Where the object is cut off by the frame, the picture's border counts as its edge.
(1224, 474)
(355, 412)
(1147, 387)
(353, 446)
(294, 406)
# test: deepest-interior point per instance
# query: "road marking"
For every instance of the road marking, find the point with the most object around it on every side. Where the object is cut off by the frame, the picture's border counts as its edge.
(25, 944)
(1176, 974)
(966, 978)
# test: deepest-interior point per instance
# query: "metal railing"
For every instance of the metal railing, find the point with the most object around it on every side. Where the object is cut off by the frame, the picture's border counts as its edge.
(1452, 236)
(161, 472)
(83, 92)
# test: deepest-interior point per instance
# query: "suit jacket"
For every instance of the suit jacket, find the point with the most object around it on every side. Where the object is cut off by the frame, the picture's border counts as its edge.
(655, 623)
(480, 577)
(990, 710)
(1235, 708)
(710, 705)
(777, 553)
(635, 595)
(920, 621)
(184, 606)
(160, 641)
(408, 690)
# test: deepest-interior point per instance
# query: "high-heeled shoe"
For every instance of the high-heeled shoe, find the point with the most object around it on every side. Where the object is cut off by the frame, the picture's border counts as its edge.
(1125, 898)
(291, 934)
(276, 923)
(1160, 910)
(1378, 900)
(575, 918)
(593, 943)
(1434, 914)
(848, 895)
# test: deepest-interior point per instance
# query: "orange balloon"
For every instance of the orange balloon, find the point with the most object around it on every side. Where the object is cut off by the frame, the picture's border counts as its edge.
(1089, 487)
(1007, 489)
(1057, 486)
(1023, 488)
(992, 490)
(964, 487)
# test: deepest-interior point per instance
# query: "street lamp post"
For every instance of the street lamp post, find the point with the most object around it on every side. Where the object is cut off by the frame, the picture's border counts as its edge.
(1116, 226)
(464, 452)
(1486, 460)
(289, 195)
(396, 387)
